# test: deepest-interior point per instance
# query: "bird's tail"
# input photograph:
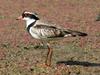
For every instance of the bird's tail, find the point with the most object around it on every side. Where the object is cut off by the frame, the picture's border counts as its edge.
(74, 33)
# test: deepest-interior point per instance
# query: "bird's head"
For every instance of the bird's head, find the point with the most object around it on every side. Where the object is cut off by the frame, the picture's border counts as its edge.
(28, 16)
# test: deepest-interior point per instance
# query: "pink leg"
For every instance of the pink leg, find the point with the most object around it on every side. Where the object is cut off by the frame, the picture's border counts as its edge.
(49, 56)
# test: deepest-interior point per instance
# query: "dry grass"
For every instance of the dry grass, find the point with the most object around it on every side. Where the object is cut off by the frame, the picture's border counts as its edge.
(72, 56)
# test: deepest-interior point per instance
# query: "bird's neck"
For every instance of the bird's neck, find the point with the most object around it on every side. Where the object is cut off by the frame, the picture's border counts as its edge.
(28, 22)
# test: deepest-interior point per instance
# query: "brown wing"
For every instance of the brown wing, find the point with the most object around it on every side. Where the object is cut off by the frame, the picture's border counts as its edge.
(49, 31)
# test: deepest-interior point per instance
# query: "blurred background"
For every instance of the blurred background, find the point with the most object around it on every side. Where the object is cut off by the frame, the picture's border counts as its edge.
(17, 53)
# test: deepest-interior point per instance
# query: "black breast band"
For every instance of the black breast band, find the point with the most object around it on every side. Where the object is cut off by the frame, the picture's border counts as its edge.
(28, 28)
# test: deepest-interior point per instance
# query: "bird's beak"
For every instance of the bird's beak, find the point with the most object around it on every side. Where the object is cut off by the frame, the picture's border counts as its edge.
(19, 18)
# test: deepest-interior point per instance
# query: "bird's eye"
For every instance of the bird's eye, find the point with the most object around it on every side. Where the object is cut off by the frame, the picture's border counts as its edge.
(23, 15)
(27, 15)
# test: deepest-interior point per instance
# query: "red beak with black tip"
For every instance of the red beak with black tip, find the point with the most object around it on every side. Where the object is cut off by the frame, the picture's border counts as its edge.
(19, 18)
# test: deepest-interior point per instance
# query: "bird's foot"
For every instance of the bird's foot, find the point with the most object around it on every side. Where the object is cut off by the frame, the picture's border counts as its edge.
(43, 65)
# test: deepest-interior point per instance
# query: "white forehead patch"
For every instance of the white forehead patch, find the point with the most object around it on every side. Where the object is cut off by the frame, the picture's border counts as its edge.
(26, 12)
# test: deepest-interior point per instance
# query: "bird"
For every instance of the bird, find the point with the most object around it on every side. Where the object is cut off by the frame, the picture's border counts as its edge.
(45, 31)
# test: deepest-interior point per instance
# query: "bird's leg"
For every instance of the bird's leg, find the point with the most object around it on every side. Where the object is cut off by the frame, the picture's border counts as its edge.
(49, 56)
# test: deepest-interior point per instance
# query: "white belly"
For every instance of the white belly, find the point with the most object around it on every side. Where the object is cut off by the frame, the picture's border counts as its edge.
(34, 34)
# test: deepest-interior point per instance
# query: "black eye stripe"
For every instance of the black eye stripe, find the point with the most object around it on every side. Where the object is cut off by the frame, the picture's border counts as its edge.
(30, 16)
(26, 15)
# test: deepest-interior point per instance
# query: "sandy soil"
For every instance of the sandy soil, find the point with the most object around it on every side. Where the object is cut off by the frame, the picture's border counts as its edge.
(76, 56)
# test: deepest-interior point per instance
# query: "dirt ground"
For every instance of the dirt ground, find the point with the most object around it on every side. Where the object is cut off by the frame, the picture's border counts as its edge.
(72, 56)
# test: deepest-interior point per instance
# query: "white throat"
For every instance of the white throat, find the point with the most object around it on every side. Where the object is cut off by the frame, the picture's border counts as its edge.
(28, 22)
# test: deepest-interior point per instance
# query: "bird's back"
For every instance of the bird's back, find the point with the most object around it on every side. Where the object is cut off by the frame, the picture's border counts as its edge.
(45, 31)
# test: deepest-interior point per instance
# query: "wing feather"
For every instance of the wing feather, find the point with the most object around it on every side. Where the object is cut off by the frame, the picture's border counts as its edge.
(49, 31)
